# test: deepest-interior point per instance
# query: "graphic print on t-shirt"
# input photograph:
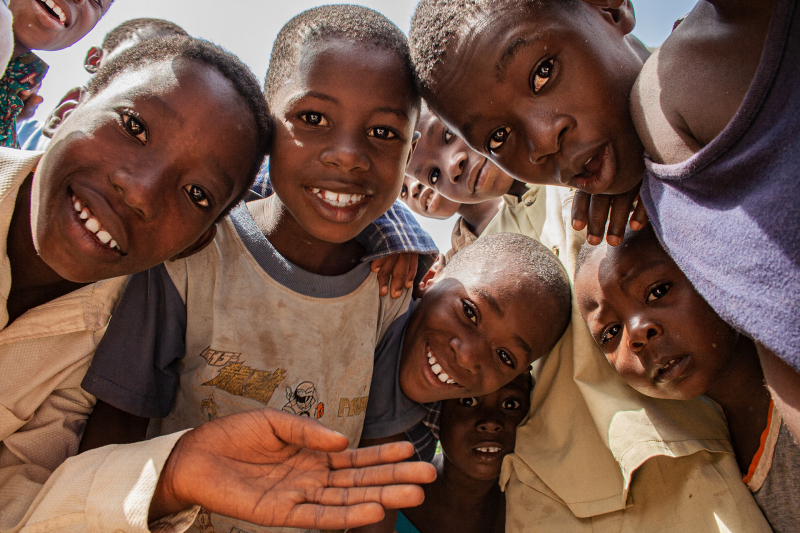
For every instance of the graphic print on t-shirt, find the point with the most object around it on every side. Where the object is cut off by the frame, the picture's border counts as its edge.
(234, 377)
(303, 401)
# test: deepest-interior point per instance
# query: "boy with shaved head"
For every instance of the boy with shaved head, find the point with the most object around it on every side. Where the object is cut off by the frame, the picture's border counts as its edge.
(541, 88)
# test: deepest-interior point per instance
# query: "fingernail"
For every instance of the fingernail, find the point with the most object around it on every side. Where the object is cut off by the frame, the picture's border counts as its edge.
(409, 284)
(613, 240)
(384, 291)
(577, 225)
(594, 240)
(635, 226)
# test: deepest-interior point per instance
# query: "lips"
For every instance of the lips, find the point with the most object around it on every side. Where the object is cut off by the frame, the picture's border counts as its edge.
(670, 369)
(429, 199)
(597, 170)
(477, 176)
(341, 207)
(53, 13)
(436, 373)
(488, 451)
(93, 223)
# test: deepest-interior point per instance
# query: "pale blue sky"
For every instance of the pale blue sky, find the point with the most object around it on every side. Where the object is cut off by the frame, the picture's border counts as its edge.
(248, 28)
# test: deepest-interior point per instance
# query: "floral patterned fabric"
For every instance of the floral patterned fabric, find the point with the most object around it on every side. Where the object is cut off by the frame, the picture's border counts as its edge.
(22, 74)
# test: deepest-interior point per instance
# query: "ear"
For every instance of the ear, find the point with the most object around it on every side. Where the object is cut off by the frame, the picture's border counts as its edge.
(430, 278)
(67, 104)
(619, 13)
(93, 58)
(414, 141)
(204, 240)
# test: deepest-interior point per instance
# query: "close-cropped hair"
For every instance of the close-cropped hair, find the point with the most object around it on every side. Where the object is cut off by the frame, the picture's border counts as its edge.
(525, 259)
(187, 48)
(129, 28)
(437, 26)
(356, 24)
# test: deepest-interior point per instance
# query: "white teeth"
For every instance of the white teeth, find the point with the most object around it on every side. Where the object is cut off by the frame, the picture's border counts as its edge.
(113, 244)
(78, 206)
(92, 225)
(436, 368)
(438, 372)
(450, 381)
(588, 161)
(490, 449)
(56, 9)
(84, 214)
(443, 377)
(104, 236)
(338, 199)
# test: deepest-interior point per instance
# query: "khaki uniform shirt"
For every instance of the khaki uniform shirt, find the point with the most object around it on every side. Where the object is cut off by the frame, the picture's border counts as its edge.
(43, 357)
(461, 237)
(594, 455)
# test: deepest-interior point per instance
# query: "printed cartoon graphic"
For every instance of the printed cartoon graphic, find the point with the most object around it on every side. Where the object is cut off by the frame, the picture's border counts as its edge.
(209, 408)
(203, 522)
(303, 401)
(240, 380)
(218, 358)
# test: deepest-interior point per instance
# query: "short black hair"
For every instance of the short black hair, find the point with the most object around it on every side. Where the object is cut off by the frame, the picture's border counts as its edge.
(356, 24)
(128, 29)
(437, 24)
(188, 48)
(631, 238)
(527, 260)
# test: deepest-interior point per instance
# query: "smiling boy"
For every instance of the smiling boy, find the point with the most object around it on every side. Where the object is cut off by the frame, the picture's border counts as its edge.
(40, 25)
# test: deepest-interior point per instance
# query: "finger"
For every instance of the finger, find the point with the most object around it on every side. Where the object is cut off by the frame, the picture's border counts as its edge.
(384, 266)
(618, 219)
(303, 432)
(400, 274)
(314, 516)
(418, 472)
(639, 217)
(580, 210)
(412, 270)
(391, 497)
(394, 452)
(598, 215)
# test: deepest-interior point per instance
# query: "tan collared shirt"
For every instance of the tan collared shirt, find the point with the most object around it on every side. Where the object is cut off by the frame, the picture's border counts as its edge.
(594, 455)
(44, 354)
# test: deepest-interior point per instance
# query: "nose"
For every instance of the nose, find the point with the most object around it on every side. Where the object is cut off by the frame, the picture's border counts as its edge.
(641, 332)
(468, 353)
(488, 424)
(457, 160)
(346, 153)
(140, 190)
(416, 189)
(545, 134)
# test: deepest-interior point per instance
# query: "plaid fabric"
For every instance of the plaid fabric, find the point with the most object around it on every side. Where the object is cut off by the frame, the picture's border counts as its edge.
(394, 232)
(425, 434)
(22, 74)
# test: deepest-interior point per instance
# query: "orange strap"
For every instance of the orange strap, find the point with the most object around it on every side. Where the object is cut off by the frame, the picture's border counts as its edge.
(757, 457)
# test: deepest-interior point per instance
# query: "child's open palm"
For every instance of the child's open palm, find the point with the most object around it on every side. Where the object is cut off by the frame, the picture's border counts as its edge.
(275, 469)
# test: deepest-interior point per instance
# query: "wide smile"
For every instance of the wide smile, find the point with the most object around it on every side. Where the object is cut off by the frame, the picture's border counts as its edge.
(436, 374)
(428, 200)
(670, 370)
(338, 206)
(93, 226)
(54, 12)
(598, 172)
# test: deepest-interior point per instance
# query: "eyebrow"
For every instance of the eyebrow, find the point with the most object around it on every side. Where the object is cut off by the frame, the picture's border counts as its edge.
(328, 98)
(492, 301)
(637, 270)
(226, 187)
(501, 68)
(524, 345)
(164, 108)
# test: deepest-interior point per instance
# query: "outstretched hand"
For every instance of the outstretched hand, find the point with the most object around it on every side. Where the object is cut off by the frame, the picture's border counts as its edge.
(592, 211)
(276, 469)
(402, 268)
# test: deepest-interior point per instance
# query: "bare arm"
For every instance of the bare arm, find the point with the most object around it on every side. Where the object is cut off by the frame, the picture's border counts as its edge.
(109, 425)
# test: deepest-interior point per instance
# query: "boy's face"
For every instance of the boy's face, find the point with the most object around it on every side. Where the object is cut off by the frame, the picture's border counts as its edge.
(39, 27)
(425, 201)
(140, 171)
(655, 329)
(544, 93)
(344, 126)
(444, 162)
(471, 334)
(478, 432)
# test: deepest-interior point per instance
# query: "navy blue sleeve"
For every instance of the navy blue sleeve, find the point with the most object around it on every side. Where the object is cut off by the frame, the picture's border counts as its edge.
(135, 367)
(389, 410)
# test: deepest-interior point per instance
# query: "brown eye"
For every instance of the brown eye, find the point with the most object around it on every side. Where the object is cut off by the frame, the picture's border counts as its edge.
(610, 333)
(403, 192)
(134, 125)
(658, 292)
(197, 195)
(447, 135)
(314, 119)
(382, 133)
(511, 404)
(497, 138)
(469, 402)
(542, 75)
(433, 177)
